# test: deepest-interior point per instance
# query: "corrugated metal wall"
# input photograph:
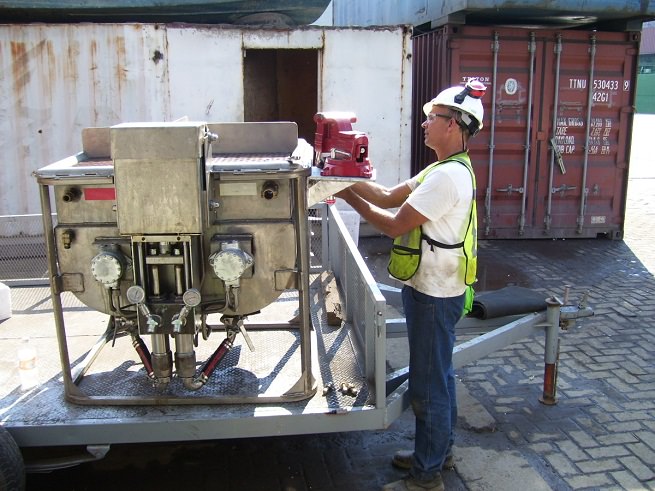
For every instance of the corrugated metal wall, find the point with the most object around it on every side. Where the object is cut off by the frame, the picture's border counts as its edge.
(56, 80)
(552, 160)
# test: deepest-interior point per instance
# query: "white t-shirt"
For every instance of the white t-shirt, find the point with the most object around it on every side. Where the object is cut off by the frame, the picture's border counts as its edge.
(444, 197)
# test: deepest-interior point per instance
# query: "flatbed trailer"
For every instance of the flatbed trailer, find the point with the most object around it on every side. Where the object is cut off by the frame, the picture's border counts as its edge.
(349, 366)
(94, 390)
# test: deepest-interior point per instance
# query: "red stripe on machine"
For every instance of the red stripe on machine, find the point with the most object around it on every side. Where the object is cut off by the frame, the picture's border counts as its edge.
(97, 194)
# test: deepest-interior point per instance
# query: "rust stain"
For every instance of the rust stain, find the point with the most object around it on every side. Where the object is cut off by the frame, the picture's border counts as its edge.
(19, 68)
(121, 57)
(95, 83)
(52, 68)
(72, 55)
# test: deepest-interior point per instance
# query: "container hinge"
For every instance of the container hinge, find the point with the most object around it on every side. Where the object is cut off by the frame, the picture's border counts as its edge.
(562, 189)
(510, 189)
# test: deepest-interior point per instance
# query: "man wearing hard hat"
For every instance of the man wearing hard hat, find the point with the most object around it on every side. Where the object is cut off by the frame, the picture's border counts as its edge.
(435, 254)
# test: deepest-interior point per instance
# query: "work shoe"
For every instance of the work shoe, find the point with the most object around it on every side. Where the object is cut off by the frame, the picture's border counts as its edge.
(404, 459)
(411, 484)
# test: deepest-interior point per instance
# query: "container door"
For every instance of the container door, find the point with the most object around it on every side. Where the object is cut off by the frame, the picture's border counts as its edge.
(551, 161)
(591, 78)
(506, 62)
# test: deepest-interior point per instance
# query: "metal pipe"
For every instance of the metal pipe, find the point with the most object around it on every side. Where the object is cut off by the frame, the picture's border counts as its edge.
(142, 280)
(189, 281)
(53, 273)
(302, 241)
(590, 99)
(162, 358)
(551, 352)
(154, 270)
(551, 171)
(495, 47)
(526, 159)
(185, 357)
(179, 286)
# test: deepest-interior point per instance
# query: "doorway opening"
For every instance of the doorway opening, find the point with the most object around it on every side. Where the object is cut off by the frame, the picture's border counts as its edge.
(282, 85)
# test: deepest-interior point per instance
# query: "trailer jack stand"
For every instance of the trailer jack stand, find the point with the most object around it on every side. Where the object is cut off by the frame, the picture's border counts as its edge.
(558, 316)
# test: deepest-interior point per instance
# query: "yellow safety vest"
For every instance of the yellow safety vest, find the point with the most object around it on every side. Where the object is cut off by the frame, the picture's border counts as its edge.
(405, 256)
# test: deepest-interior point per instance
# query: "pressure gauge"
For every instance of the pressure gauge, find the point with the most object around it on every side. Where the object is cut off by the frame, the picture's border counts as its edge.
(108, 267)
(191, 297)
(136, 294)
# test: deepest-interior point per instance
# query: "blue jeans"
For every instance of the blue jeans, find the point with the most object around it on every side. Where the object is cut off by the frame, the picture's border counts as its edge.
(431, 335)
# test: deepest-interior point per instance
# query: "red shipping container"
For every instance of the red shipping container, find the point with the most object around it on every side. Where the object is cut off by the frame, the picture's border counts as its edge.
(552, 159)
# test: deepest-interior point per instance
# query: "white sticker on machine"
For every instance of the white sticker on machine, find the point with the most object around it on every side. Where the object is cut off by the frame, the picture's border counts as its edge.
(238, 189)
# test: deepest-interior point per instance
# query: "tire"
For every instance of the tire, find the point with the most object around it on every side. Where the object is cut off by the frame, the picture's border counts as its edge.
(12, 467)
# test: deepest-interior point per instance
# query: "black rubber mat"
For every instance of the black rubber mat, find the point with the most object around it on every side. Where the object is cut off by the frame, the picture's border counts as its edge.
(511, 300)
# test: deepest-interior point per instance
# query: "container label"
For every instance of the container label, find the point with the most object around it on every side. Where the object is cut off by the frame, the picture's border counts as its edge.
(599, 135)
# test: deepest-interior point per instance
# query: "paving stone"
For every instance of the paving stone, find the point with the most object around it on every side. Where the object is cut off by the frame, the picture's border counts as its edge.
(626, 480)
(572, 451)
(608, 451)
(589, 481)
(617, 438)
(583, 439)
(648, 437)
(637, 467)
(561, 465)
(642, 452)
(599, 465)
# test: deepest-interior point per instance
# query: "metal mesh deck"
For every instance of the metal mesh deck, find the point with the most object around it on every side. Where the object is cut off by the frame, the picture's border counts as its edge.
(273, 367)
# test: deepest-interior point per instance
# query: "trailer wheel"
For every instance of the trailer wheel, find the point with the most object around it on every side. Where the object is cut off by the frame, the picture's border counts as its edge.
(12, 467)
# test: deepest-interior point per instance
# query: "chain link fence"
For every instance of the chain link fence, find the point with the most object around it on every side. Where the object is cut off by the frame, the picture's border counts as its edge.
(22, 250)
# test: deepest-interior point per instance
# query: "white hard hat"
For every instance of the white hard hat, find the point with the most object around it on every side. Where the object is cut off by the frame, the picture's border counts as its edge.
(465, 100)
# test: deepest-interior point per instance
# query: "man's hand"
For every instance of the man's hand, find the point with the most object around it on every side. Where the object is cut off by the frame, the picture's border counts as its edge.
(344, 194)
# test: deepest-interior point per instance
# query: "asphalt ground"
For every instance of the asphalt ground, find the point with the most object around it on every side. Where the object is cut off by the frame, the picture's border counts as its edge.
(599, 435)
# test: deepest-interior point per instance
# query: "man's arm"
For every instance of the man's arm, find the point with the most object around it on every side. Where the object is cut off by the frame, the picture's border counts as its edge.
(391, 224)
(381, 196)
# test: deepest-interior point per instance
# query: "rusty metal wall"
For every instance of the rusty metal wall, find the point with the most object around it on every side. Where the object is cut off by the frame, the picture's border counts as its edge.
(552, 160)
(56, 79)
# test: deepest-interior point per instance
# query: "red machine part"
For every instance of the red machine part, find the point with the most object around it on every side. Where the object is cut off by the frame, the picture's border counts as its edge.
(340, 150)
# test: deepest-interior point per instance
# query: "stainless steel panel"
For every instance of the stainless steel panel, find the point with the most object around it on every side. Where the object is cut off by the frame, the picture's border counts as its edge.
(84, 203)
(249, 198)
(159, 176)
(260, 137)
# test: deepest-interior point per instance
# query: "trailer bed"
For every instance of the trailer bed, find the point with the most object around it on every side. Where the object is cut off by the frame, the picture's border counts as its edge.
(42, 417)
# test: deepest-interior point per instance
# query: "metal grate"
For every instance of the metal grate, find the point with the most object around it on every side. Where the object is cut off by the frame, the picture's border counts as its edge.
(22, 250)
